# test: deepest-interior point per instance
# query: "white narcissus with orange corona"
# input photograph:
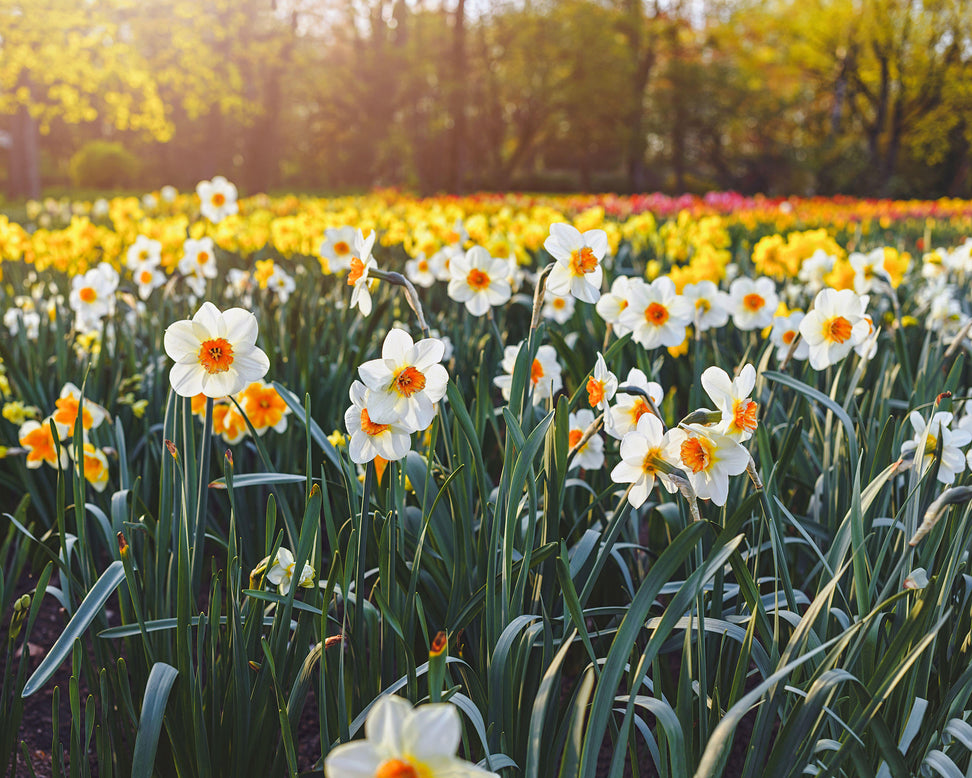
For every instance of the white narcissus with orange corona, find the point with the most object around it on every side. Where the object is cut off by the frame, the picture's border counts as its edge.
(215, 353)
(835, 326)
(405, 742)
(478, 280)
(708, 459)
(406, 381)
(578, 261)
(731, 396)
(369, 439)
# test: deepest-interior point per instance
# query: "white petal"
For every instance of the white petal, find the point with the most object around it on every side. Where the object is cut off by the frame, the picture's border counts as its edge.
(179, 340)
(241, 327)
(352, 760)
(186, 380)
(433, 730)
(397, 344)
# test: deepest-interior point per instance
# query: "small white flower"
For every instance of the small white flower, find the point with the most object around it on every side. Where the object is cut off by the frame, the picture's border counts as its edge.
(642, 449)
(361, 264)
(217, 199)
(785, 330)
(731, 396)
(656, 314)
(337, 249)
(708, 459)
(558, 308)
(753, 302)
(711, 305)
(478, 280)
(281, 572)
(591, 455)
(198, 258)
(612, 304)
(419, 271)
(926, 440)
(629, 408)
(601, 386)
(545, 373)
(144, 251)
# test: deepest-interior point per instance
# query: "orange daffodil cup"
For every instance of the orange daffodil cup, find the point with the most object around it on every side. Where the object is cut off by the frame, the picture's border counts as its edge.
(215, 353)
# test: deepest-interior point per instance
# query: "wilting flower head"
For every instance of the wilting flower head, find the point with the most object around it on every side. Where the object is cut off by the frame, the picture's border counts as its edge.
(215, 353)
(834, 326)
(478, 280)
(281, 572)
(405, 742)
(578, 270)
(217, 199)
(406, 382)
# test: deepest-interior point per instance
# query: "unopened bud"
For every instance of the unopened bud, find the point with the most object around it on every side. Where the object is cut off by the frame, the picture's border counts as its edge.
(122, 545)
(229, 457)
(439, 644)
(172, 449)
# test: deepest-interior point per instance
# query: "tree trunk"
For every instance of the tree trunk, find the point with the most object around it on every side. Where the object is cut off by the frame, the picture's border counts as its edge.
(457, 144)
(24, 177)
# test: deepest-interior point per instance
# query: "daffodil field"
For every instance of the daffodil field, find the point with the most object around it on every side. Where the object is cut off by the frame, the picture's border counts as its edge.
(386, 487)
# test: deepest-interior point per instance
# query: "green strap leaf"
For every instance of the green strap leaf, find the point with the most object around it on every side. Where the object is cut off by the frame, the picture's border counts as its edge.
(150, 724)
(84, 615)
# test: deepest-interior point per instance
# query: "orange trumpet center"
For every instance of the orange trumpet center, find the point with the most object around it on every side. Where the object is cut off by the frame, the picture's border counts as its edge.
(357, 270)
(744, 415)
(656, 314)
(218, 199)
(88, 294)
(837, 329)
(696, 454)
(477, 279)
(595, 391)
(216, 355)
(536, 372)
(583, 261)
(370, 428)
(341, 248)
(753, 302)
(789, 336)
(409, 381)
(396, 768)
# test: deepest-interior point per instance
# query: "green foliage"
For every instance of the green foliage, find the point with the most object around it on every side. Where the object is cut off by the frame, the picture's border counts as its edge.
(104, 165)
